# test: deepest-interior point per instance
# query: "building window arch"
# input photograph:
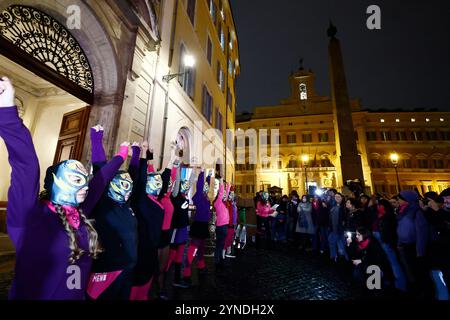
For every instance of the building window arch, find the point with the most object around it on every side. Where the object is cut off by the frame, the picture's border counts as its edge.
(32, 32)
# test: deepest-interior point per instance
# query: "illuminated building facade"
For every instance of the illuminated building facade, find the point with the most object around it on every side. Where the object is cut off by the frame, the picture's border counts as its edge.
(307, 149)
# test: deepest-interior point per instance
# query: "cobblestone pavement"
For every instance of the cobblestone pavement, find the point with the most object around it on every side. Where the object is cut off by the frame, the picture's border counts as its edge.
(276, 274)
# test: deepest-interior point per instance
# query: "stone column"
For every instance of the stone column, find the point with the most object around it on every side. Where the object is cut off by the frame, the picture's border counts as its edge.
(349, 165)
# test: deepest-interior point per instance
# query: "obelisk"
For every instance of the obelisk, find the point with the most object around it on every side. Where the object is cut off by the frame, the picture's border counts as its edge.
(348, 164)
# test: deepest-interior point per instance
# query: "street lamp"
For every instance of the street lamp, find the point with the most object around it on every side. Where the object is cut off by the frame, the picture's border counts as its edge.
(394, 159)
(188, 63)
(305, 159)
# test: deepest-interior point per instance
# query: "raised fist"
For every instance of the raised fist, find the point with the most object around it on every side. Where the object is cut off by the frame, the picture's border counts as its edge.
(6, 93)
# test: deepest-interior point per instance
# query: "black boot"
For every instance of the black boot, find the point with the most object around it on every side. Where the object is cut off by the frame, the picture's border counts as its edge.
(177, 279)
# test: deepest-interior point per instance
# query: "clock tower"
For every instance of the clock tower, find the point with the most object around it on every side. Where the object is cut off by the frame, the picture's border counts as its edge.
(302, 86)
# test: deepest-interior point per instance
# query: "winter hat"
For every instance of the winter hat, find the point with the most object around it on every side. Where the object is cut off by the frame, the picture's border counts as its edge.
(409, 196)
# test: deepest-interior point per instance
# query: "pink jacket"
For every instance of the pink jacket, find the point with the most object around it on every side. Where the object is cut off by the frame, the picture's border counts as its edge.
(223, 218)
(263, 210)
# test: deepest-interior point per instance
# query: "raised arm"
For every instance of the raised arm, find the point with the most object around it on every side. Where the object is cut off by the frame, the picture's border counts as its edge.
(221, 190)
(103, 177)
(24, 187)
(200, 183)
(98, 156)
(98, 153)
(228, 189)
(140, 180)
(165, 177)
(134, 162)
(208, 179)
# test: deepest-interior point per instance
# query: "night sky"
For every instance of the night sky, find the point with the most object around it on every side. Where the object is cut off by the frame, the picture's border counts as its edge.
(404, 65)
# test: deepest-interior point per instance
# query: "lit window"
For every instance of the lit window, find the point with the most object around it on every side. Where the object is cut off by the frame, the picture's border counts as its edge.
(413, 120)
(397, 120)
(381, 120)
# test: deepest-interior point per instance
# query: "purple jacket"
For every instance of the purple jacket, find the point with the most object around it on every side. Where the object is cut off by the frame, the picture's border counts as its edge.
(42, 270)
(201, 202)
(413, 228)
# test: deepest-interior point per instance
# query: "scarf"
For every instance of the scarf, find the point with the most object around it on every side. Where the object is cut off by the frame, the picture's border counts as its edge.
(363, 244)
(72, 214)
(315, 205)
(155, 200)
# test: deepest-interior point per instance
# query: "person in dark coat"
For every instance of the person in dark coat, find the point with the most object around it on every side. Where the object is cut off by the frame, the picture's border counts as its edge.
(336, 237)
(112, 273)
(412, 231)
(291, 217)
(356, 217)
(366, 252)
(438, 251)
(385, 231)
(323, 223)
(150, 214)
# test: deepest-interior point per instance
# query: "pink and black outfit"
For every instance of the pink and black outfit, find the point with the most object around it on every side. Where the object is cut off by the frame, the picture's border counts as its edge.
(222, 222)
(180, 236)
(116, 225)
(199, 231)
(164, 199)
(263, 210)
(150, 215)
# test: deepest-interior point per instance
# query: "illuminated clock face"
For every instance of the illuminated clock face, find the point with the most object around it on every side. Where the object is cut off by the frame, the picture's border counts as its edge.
(303, 93)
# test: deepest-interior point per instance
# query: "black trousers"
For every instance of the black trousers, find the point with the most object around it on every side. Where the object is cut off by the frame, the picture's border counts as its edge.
(260, 222)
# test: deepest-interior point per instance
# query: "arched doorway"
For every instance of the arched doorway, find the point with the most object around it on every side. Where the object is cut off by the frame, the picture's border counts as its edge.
(54, 71)
(41, 44)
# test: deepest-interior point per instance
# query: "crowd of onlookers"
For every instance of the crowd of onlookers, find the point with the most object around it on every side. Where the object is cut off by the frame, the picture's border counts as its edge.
(407, 236)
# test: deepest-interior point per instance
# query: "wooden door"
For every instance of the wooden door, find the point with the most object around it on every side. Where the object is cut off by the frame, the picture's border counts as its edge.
(72, 134)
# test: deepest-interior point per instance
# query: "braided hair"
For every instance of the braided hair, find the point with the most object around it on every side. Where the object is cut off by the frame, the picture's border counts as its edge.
(76, 252)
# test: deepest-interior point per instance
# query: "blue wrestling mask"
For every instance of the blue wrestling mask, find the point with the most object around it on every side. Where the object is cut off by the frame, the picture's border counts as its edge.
(120, 187)
(185, 184)
(70, 184)
(154, 184)
(265, 196)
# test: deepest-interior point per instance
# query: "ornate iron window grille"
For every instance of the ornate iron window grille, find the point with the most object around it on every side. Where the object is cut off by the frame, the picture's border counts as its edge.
(48, 41)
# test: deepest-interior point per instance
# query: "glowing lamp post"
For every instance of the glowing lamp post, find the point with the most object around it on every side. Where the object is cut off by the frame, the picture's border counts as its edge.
(188, 63)
(305, 160)
(394, 160)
